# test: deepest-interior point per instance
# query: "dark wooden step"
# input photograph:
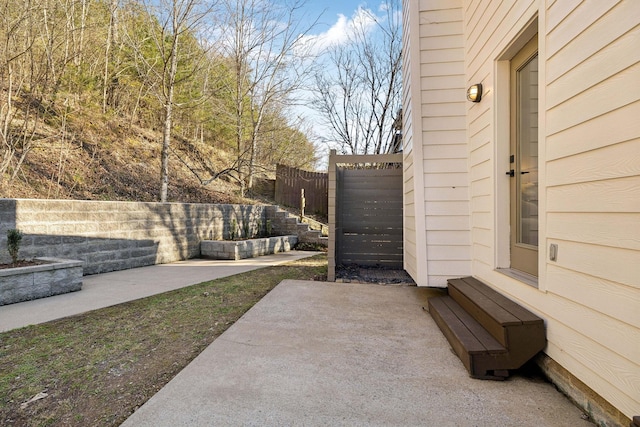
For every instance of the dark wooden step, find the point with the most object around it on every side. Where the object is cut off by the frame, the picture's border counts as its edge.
(479, 352)
(499, 315)
(490, 333)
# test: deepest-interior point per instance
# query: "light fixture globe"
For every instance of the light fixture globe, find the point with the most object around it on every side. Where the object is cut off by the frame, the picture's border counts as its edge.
(474, 93)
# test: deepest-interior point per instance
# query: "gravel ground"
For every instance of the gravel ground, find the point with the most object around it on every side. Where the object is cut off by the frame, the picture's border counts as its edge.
(379, 275)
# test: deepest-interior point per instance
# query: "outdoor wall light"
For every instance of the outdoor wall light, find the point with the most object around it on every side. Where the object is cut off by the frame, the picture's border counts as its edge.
(474, 93)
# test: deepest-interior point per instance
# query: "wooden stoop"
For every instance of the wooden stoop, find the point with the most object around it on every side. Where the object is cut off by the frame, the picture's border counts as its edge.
(490, 333)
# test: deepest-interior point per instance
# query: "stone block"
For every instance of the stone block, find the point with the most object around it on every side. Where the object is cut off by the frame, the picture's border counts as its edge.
(141, 252)
(107, 245)
(73, 240)
(99, 257)
(46, 240)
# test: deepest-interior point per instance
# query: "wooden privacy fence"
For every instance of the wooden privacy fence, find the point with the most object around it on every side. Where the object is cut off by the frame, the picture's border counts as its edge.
(365, 211)
(289, 182)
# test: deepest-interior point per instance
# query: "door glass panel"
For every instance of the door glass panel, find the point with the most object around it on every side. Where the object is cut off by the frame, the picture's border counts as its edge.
(527, 158)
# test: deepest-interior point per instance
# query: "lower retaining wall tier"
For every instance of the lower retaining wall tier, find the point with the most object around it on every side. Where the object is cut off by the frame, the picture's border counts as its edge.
(112, 236)
(54, 276)
(236, 250)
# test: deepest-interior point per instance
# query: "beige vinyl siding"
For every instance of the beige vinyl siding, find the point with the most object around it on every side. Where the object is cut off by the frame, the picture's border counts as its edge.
(444, 143)
(409, 217)
(411, 56)
(593, 193)
(589, 183)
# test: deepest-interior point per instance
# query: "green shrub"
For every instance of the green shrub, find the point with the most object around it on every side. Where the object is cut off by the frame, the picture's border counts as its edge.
(14, 237)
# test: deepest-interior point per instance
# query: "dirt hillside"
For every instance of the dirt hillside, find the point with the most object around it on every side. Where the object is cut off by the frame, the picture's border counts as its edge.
(98, 160)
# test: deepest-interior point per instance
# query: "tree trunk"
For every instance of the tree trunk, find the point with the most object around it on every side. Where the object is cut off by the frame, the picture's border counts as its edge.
(252, 163)
(107, 53)
(254, 148)
(166, 141)
(168, 112)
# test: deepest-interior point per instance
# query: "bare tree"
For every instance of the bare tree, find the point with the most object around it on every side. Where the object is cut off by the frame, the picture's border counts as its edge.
(262, 39)
(83, 25)
(18, 71)
(177, 19)
(112, 36)
(360, 95)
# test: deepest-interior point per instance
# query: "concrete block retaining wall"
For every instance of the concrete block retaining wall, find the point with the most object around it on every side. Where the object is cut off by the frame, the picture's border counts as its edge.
(54, 277)
(237, 250)
(110, 236)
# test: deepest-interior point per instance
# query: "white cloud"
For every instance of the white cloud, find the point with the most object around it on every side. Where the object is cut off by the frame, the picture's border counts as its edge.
(342, 31)
(336, 35)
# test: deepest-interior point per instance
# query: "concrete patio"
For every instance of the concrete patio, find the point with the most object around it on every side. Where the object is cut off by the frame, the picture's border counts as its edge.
(320, 354)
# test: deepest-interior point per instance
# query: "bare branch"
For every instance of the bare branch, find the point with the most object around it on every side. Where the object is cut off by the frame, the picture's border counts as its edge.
(361, 93)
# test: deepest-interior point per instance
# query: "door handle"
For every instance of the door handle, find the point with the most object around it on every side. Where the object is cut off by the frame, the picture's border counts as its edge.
(511, 173)
(522, 173)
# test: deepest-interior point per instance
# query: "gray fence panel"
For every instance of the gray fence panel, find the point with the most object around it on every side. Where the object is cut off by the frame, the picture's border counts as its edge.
(369, 217)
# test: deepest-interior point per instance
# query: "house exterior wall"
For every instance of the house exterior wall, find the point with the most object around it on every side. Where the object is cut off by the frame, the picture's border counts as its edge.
(437, 163)
(589, 160)
(411, 72)
(593, 194)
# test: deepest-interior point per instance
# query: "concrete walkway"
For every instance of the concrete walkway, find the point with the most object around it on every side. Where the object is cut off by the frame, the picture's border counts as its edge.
(103, 290)
(334, 354)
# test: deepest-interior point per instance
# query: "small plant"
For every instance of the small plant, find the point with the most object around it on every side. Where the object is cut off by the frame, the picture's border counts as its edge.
(14, 237)
(245, 229)
(258, 230)
(269, 228)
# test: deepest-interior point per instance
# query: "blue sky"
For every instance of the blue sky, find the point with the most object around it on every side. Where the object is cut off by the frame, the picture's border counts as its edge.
(337, 15)
(335, 22)
(331, 9)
